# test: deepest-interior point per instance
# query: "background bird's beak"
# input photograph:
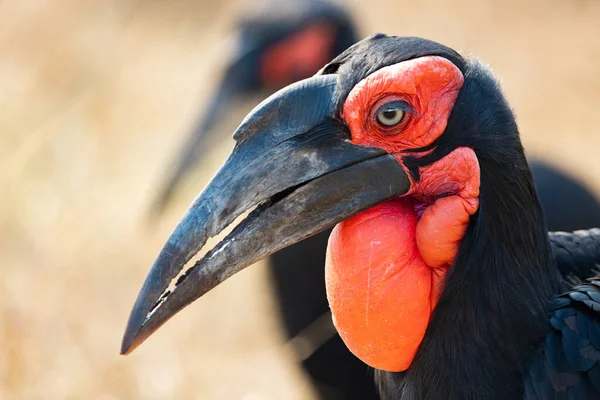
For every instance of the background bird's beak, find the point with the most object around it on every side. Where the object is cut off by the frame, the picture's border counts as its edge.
(294, 163)
(238, 80)
(192, 149)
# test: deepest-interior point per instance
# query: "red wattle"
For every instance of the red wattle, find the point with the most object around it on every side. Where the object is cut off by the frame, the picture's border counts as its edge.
(379, 288)
(385, 267)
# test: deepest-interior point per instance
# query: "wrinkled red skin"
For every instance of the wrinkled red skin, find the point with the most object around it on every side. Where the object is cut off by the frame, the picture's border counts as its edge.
(378, 286)
(386, 266)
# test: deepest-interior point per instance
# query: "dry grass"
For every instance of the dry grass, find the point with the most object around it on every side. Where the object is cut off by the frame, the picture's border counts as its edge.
(96, 96)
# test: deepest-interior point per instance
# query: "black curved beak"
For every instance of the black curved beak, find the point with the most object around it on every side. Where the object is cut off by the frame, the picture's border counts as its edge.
(294, 164)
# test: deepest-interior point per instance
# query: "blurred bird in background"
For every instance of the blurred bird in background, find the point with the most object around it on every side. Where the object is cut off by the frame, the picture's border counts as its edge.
(276, 46)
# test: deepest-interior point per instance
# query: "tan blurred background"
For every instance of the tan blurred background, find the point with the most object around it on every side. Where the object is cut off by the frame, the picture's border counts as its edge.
(96, 96)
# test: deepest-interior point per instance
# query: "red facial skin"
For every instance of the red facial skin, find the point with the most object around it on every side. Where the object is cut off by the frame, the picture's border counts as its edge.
(385, 267)
(298, 56)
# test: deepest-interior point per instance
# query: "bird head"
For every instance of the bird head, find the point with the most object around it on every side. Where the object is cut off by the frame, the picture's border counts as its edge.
(402, 145)
(272, 48)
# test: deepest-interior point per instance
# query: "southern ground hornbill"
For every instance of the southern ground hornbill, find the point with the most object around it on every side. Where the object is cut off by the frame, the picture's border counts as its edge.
(440, 273)
(271, 53)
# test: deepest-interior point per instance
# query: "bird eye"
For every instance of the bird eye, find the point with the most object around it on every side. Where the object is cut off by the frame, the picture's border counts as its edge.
(390, 114)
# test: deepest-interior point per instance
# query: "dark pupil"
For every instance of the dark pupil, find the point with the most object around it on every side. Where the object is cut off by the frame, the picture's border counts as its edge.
(390, 114)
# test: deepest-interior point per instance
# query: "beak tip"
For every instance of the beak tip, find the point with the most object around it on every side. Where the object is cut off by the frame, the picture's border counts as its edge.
(131, 341)
(124, 350)
(128, 344)
(133, 336)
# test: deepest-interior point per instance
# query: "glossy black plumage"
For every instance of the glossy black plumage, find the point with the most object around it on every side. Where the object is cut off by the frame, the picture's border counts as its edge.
(577, 254)
(568, 363)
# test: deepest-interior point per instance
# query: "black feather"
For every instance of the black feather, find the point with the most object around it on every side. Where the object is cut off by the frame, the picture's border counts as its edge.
(574, 334)
(577, 253)
(594, 376)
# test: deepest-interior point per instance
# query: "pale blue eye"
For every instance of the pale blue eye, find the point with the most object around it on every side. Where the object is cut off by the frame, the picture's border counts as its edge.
(390, 115)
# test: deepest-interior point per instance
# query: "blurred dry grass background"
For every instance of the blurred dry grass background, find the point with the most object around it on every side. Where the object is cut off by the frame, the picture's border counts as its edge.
(95, 97)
